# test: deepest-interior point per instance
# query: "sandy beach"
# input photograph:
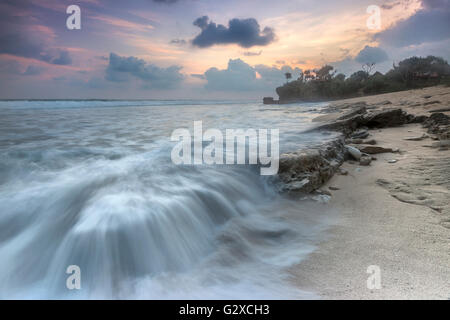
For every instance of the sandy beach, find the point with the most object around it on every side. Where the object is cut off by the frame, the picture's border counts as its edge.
(393, 214)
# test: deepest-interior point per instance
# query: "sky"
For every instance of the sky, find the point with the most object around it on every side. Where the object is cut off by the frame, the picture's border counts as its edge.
(204, 49)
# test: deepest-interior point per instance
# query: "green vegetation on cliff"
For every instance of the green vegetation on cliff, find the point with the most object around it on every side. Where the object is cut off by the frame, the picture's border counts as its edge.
(324, 84)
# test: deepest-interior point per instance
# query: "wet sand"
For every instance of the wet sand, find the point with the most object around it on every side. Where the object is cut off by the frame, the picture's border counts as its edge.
(392, 215)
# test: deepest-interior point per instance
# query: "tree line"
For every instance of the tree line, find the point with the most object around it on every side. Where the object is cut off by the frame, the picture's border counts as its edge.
(325, 83)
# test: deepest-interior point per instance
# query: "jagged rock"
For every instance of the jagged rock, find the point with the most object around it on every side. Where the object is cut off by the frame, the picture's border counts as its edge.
(386, 118)
(370, 149)
(365, 161)
(417, 119)
(307, 170)
(354, 152)
(361, 134)
(353, 112)
(438, 118)
(346, 126)
(334, 188)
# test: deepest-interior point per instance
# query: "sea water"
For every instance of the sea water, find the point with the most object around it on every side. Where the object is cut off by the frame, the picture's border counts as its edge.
(91, 184)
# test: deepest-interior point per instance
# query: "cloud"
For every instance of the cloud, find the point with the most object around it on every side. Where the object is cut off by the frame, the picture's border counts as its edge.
(431, 23)
(33, 70)
(121, 68)
(240, 76)
(243, 32)
(26, 38)
(63, 59)
(371, 55)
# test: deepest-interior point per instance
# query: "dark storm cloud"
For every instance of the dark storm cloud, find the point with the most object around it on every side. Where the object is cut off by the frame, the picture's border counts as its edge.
(243, 32)
(371, 55)
(121, 68)
(431, 23)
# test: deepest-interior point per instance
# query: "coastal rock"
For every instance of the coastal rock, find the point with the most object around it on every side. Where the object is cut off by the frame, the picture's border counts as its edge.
(307, 170)
(361, 134)
(354, 152)
(386, 118)
(439, 125)
(365, 160)
(346, 126)
(353, 112)
(370, 149)
(269, 100)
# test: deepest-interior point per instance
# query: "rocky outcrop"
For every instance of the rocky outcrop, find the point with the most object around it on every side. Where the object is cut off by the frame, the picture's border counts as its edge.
(439, 125)
(386, 118)
(373, 119)
(307, 170)
(371, 149)
(270, 100)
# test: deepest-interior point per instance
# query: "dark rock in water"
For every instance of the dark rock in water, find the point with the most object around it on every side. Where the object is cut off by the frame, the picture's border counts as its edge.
(386, 118)
(269, 100)
(370, 149)
(365, 160)
(307, 170)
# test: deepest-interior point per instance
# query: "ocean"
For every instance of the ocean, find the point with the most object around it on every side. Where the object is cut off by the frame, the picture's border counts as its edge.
(91, 183)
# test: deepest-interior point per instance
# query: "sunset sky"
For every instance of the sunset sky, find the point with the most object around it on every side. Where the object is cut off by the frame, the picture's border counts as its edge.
(207, 49)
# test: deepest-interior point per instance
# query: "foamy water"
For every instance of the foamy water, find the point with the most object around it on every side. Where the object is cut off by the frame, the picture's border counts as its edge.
(91, 183)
